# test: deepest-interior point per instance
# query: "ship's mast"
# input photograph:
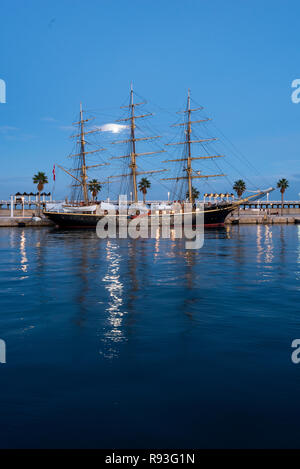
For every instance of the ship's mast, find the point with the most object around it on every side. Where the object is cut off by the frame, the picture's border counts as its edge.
(188, 136)
(133, 153)
(188, 158)
(132, 142)
(82, 168)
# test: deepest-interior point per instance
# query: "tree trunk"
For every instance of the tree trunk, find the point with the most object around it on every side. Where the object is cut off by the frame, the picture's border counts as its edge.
(282, 193)
(40, 187)
(39, 209)
(144, 197)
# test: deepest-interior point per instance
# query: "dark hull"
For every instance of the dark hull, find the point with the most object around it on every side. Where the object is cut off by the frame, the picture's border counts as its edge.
(214, 217)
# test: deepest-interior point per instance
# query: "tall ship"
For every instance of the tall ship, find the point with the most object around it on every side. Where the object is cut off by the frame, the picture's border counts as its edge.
(82, 212)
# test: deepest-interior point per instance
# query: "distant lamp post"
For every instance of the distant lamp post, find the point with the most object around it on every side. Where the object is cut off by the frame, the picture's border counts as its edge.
(168, 196)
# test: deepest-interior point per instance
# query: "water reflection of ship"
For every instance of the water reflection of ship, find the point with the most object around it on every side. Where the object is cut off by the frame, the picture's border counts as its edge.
(133, 286)
(83, 272)
(193, 294)
(83, 265)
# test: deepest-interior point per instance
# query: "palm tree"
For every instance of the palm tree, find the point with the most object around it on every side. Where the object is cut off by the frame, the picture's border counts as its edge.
(195, 194)
(282, 184)
(144, 184)
(40, 179)
(94, 187)
(239, 187)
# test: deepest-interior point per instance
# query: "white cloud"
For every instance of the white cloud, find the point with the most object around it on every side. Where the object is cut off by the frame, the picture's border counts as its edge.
(113, 128)
(7, 128)
(48, 119)
(66, 127)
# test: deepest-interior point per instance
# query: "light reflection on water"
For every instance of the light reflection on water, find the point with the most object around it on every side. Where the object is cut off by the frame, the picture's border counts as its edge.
(114, 333)
(264, 244)
(24, 260)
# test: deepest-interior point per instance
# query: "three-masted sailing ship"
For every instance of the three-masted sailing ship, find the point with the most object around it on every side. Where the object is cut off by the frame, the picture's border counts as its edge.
(85, 213)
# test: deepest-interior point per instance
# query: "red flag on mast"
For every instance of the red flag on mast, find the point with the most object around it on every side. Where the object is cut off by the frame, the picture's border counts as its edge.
(53, 172)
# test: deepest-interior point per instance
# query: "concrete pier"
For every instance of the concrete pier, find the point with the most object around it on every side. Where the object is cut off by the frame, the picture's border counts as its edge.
(264, 212)
(261, 218)
(24, 222)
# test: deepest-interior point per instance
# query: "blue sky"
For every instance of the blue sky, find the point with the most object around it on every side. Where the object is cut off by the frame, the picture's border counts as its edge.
(238, 57)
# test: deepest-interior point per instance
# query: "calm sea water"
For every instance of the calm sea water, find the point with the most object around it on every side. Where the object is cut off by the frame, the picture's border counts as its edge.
(140, 343)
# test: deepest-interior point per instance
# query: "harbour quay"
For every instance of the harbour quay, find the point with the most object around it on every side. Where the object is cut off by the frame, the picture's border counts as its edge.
(266, 212)
(21, 211)
(23, 222)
